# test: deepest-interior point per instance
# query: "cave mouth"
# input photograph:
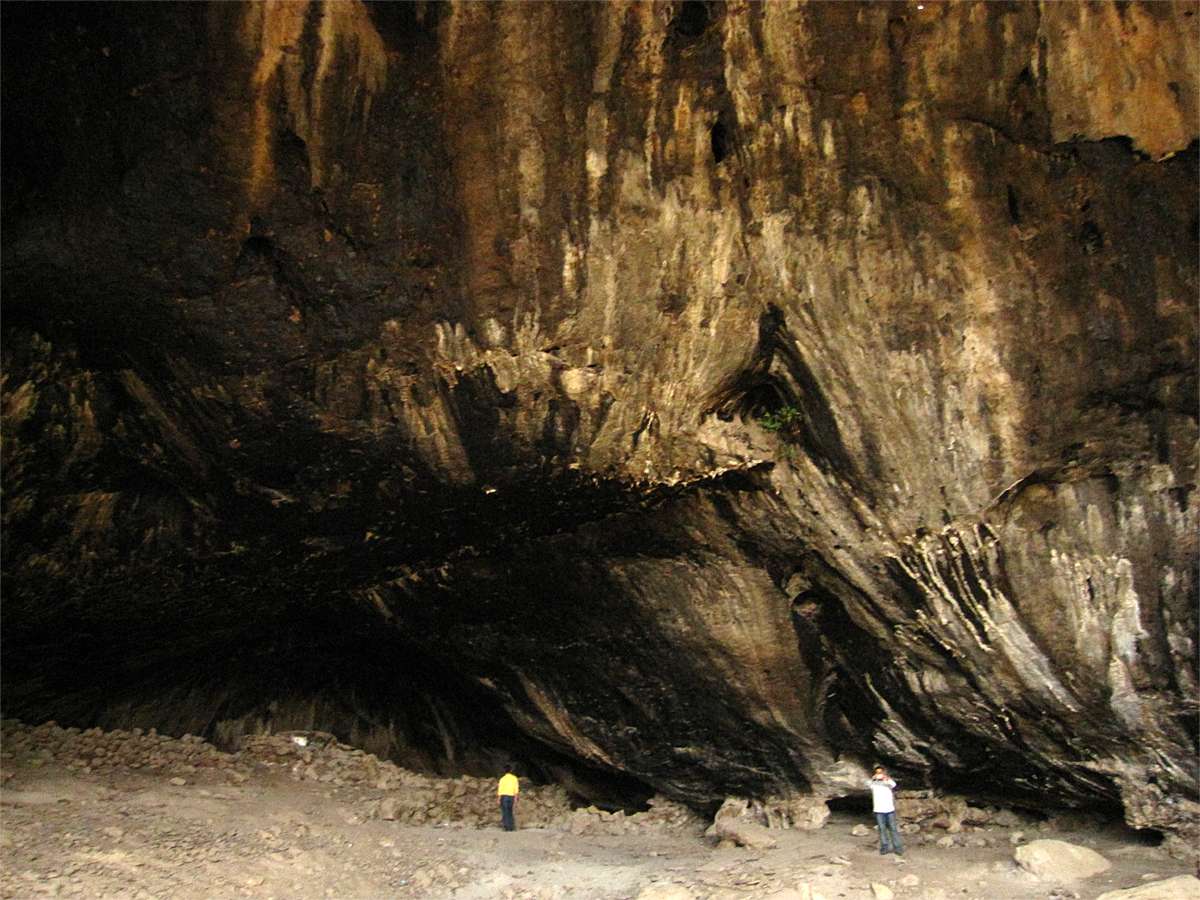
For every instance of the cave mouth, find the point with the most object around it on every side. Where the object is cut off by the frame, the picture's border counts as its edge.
(851, 804)
(586, 786)
(691, 21)
(338, 671)
(1141, 837)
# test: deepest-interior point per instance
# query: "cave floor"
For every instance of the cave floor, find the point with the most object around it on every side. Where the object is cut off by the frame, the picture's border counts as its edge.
(142, 835)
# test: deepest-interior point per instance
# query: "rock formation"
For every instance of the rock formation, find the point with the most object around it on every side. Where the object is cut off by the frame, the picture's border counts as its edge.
(693, 398)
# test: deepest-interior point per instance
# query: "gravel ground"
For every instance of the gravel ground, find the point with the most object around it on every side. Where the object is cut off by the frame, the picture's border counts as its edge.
(127, 815)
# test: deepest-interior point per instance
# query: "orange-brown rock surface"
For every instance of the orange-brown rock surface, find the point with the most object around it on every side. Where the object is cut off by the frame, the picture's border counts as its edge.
(712, 397)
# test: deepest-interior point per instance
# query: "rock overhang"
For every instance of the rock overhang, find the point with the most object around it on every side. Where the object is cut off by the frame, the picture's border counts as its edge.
(392, 382)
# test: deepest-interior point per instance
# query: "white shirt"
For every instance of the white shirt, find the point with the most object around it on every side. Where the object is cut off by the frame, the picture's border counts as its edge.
(882, 799)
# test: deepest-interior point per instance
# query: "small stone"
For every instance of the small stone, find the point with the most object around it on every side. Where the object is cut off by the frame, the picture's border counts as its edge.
(178, 782)
(666, 892)
(947, 841)
(881, 891)
(860, 830)
(910, 881)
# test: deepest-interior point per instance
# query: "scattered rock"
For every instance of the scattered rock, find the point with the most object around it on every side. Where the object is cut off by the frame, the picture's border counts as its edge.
(1059, 860)
(1181, 887)
(666, 891)
(1006, 818)
(319, 757)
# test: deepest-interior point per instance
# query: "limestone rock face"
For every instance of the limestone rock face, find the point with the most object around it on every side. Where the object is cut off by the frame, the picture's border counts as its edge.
(716, 396)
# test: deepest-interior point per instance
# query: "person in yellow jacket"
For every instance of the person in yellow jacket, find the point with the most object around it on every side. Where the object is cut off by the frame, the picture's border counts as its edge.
(507, 790)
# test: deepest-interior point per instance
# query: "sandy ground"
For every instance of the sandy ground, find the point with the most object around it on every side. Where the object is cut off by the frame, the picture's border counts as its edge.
(144, 835)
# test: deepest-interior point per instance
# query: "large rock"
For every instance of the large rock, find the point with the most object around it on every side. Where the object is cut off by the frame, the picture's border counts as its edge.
(1181, 887)
(1059, 860)
(744, 834)
(740, 821)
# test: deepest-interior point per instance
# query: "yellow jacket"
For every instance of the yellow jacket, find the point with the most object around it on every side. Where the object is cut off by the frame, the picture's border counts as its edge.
(508, 786)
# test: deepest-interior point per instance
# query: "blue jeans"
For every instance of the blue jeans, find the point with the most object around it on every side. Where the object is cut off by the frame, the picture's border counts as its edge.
(506, 814)
(888, 833)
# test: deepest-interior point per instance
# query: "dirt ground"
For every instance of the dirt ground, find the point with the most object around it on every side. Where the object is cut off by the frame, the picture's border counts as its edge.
(123, 833)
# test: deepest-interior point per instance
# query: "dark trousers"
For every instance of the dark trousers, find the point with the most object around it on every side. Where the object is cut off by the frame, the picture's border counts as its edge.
(888, 833)
(506, 813)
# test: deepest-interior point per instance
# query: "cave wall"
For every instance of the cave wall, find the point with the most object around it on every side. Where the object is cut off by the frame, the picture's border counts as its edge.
(729, 394)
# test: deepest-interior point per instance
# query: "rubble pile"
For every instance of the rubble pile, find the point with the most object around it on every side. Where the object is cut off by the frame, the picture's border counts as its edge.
(391, 793)
(95, 750)
(952, 813)
(663, 815)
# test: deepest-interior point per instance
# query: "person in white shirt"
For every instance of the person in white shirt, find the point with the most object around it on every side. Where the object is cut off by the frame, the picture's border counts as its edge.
(883, 802)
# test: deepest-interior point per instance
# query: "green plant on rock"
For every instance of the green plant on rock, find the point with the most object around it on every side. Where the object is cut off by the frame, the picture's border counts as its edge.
(784, 419)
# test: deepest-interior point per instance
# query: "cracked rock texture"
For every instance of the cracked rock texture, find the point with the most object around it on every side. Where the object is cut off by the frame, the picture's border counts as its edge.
(693, 398)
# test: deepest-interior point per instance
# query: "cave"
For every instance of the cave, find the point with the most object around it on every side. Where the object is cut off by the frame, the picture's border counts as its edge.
(407, 372)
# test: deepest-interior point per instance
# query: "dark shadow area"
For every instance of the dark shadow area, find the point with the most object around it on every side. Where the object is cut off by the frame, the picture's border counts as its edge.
(690, 22)
(719, 137)
(854, 804)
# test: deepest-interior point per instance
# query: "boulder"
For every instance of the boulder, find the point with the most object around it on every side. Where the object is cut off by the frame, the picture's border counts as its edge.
(1006, 818)
(1059, 861)
(744, 834)
(802, 811)
(740, 821)
(1181, 887)
(389, 809)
